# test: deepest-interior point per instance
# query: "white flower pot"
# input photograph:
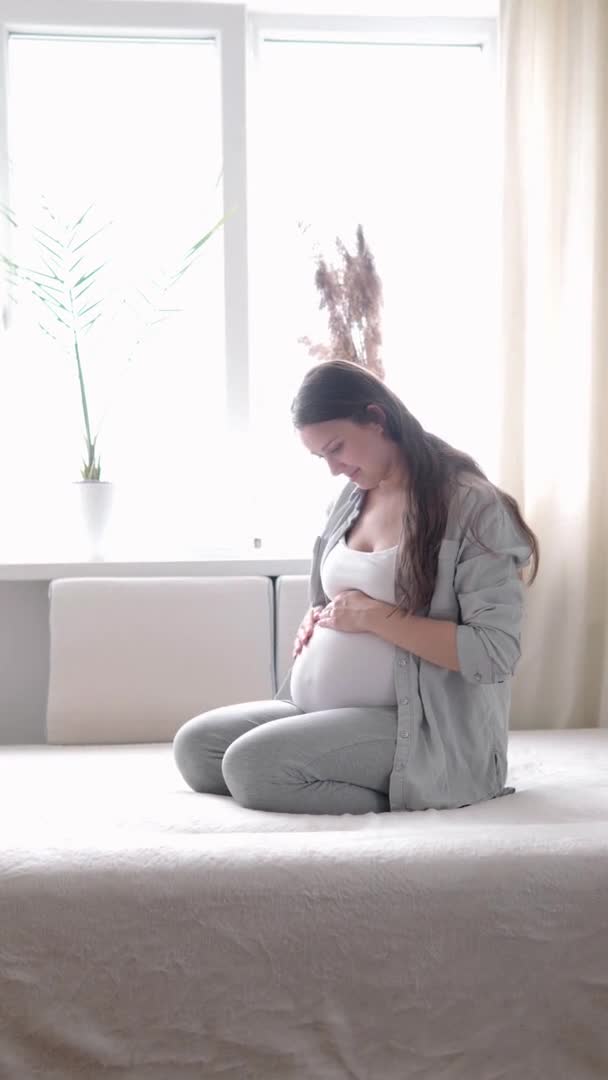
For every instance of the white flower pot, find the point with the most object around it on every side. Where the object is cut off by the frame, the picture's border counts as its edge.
(95, 499)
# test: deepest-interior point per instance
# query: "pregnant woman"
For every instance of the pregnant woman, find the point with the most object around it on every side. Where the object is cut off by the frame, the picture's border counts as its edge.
(399, 692)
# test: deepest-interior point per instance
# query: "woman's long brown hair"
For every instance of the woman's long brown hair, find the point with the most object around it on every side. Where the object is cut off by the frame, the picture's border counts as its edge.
(340, 389)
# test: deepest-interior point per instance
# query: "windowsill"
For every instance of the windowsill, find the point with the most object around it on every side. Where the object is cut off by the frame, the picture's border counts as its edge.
(44, 566)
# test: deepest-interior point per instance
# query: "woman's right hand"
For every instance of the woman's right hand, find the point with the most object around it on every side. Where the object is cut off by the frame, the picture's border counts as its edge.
(305, 629)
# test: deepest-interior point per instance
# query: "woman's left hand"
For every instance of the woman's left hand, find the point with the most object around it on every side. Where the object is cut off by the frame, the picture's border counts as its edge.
(351, 610)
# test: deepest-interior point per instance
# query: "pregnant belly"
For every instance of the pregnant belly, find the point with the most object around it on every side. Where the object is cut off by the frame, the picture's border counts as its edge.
(337, 669)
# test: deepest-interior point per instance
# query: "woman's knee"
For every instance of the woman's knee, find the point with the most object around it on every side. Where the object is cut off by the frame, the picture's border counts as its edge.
(201, 743)
(257, 768)
(244, 771)
(198, 748)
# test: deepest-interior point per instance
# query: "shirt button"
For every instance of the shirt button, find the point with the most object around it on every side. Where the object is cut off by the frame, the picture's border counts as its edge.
(478, 675)
(405, 701)
(399, 767)
(404, 734)
(403, 661)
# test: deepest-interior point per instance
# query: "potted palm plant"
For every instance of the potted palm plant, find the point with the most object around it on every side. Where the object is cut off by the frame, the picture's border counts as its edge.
(65, 284)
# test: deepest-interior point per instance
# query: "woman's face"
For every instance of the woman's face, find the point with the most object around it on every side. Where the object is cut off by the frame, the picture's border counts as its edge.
(361, 452)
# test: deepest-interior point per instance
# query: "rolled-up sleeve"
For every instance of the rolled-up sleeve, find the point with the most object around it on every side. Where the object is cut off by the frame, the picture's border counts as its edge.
(490, 597)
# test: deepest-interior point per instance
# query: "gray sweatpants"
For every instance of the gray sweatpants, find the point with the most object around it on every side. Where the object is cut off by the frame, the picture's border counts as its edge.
(270, 755)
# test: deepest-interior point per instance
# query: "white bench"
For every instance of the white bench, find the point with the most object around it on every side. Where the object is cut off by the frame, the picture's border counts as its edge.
(131, 659)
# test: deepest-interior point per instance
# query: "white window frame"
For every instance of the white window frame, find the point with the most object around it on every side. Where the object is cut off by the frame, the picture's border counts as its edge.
(128, 18)
(430, 30)
(239, 34)
(406, 30)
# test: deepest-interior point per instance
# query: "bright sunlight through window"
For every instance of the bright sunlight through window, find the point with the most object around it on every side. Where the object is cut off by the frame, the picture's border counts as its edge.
(400, 139)
(132, 129)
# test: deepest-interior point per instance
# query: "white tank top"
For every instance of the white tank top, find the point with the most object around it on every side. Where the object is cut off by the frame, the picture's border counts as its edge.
(339, 668)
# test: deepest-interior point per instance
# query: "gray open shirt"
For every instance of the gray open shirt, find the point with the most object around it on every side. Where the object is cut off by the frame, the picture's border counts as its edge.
(452, 726)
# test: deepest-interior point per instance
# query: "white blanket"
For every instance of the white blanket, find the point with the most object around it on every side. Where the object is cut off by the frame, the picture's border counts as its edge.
(149, 932)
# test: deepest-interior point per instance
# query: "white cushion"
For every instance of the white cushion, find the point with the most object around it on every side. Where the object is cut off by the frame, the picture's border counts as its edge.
(131, 659)
(292, 603)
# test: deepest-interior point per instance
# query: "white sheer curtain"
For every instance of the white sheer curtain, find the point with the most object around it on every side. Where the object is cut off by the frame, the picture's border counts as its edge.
(555, 334)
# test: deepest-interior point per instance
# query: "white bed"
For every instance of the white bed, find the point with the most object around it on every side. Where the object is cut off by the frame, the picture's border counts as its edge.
(149, 932)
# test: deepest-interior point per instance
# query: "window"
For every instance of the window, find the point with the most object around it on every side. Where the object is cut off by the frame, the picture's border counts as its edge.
(130, 127)
(298, 130)
(397, 135)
